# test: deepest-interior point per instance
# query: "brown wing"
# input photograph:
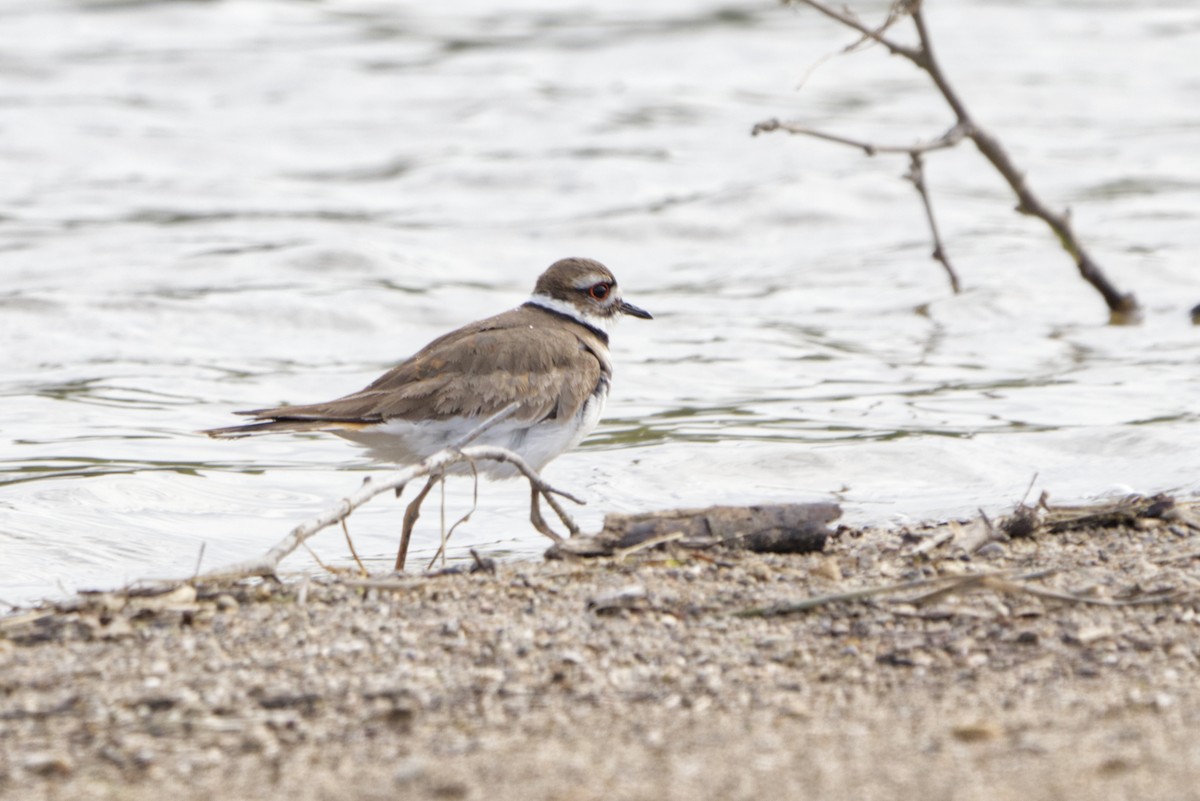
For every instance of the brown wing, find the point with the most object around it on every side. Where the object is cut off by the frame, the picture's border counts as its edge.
(523, 355)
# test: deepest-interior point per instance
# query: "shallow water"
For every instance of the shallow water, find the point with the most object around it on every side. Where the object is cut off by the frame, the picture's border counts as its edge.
(216, 206)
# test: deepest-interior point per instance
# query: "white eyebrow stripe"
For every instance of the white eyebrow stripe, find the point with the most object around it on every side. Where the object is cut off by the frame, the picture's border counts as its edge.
(588, 281)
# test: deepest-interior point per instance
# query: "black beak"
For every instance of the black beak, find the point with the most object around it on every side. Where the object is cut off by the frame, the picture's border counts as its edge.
(628, 308)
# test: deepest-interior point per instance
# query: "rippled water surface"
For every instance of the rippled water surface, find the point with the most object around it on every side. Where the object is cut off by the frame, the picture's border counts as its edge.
(209, 206)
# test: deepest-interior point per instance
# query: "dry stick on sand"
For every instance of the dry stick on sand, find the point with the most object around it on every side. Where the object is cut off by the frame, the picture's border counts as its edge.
(353, 552)
(941, 587)
(1123, 307)
(268, 563)
(446, 535)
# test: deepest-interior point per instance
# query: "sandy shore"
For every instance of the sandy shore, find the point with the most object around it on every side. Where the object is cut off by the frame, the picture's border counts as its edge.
(638, 678)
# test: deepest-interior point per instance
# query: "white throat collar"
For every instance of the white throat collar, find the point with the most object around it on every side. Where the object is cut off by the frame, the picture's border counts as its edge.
(572, 311)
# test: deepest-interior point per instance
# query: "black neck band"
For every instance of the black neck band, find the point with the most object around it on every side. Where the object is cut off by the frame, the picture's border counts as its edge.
(599, 333)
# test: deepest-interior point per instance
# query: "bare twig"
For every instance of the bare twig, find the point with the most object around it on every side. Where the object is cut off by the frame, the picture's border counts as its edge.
(441, 551)
(997, 583)
(916, 171)
(546, 491)
(947, 140)
(1013, 588)
(350, 543)
(1179, 557)
(479, 430)
(1123, 307)
(897, 10)
(653, 542)
(320, 562)
(482, 565)
(937, 540)
(944, 586)
(874, 34)
(916, 174)
(199, 560)
(862, 593)
(1029, 489)
(442, 518)
(268, 563)
(977, 533)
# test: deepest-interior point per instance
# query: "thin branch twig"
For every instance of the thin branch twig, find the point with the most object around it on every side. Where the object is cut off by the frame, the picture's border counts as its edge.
(807, 604)
(353, 552)
(897, 10)
(874, 34)
(320, 562)
(488, 424)
(947, 140)
(1123, 307)
(944, 586)
(916, 175)
(653, 542)
(268, 563)
(916, 171)
(1012, 588)
(199, 560)
(441, 551)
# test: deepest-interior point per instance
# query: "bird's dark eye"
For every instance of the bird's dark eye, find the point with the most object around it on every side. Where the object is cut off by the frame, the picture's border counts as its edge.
(600, 291)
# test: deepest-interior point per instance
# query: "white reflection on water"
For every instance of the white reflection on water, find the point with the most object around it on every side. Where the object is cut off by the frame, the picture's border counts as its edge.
(218, 206)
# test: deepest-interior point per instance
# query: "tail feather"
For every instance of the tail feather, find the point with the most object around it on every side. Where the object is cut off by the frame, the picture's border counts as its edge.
(269, 426)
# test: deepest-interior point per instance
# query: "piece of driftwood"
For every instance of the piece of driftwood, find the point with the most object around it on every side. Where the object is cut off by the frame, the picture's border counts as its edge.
(774, 528)
(1031, 521)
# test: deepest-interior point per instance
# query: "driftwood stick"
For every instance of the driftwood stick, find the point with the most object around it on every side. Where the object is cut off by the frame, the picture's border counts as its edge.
(942, 587)
(1013, 588)
(774, 528)
(807, 604)
(1123, 307)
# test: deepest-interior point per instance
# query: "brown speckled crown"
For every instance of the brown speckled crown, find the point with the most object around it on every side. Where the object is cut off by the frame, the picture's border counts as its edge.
(569, 280)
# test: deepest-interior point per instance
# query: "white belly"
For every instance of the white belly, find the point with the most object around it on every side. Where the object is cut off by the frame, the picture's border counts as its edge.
(406, 442)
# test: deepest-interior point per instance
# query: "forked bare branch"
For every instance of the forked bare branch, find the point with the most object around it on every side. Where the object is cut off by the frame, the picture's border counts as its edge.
(1123, 307)
(438, 463)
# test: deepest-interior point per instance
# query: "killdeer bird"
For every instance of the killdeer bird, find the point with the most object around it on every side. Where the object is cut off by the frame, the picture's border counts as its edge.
(550, 354)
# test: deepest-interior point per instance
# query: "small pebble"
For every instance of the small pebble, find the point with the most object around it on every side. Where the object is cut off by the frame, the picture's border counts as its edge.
(993, 550)
(48, 765)
(976, 732)
(408, 770)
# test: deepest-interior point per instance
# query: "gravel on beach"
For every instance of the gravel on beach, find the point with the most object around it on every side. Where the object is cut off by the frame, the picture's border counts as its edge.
(1066, 667)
